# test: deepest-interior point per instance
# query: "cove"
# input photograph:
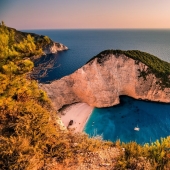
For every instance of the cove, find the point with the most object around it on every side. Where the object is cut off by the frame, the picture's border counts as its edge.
(118, 122)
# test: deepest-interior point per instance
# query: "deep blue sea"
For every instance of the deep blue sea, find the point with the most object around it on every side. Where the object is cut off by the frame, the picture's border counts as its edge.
(116, 122)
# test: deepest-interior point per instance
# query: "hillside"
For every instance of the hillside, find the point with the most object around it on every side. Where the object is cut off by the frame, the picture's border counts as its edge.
(160, 68)
(31, 133)
(111, 74)
(44, 42)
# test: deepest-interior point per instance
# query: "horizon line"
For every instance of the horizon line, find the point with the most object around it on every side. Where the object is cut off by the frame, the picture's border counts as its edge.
(95, 29)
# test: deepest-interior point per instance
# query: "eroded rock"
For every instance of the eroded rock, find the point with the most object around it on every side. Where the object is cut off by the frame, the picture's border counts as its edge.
(100, 84)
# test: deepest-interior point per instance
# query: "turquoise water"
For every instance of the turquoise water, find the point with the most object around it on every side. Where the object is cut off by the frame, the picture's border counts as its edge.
(116, 122)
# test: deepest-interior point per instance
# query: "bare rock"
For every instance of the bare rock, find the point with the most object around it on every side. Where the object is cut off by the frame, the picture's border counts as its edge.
(101, 84)
(54, 48)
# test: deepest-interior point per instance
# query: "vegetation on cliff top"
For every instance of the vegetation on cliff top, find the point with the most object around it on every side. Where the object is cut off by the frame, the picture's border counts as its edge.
(31, 138)
(160, 68)
(40, 41)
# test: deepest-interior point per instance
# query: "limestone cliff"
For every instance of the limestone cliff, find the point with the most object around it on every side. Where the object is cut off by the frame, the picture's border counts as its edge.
(54, 47)
(101, 81)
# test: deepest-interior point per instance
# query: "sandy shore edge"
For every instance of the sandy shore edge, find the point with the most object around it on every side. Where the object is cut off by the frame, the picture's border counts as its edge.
(79, 113)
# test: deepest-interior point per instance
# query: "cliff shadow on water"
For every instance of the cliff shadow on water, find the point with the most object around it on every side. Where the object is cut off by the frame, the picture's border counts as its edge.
(47, 67)
(118, 122)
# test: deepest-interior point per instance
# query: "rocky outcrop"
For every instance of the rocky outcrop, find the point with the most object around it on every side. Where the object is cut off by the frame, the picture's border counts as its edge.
(100, 84)
(47, 44)
(54, 48)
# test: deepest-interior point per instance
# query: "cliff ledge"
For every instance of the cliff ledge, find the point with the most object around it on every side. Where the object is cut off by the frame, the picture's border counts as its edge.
(107, 76)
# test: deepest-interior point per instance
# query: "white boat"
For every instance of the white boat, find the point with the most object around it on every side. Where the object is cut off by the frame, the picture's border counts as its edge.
(137, 128)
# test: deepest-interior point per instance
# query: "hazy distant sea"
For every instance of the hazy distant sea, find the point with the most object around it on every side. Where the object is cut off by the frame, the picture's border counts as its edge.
(84, 44)
(117, 122)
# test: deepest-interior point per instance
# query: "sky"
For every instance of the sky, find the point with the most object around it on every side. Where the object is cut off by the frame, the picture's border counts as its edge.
(85, 14)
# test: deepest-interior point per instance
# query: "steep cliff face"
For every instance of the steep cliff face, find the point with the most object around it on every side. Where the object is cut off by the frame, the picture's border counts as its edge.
(101, 83)
(54, 48)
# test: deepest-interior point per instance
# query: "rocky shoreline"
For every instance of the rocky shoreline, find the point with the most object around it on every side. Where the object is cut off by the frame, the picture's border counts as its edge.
(54, 48)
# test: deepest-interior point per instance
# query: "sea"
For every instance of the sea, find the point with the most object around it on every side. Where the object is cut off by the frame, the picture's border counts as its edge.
(117, 122)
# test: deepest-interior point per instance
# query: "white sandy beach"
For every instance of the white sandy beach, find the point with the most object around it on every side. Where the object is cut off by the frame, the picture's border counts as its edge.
(79, 113)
